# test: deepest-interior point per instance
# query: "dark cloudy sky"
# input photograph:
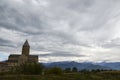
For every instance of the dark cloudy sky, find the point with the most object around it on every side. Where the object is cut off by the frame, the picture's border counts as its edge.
(61, 30)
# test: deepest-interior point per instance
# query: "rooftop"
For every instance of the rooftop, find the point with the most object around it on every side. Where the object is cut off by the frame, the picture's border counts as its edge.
(26, 43)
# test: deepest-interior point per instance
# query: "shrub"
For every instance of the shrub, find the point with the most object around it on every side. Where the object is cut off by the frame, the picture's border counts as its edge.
(56, 71)
(67, 70)
(29, 68)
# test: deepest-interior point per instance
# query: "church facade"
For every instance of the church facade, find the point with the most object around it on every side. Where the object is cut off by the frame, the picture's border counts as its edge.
(25, 57)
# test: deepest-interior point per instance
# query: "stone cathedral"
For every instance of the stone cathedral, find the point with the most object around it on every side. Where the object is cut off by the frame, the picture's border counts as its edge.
(15, 59)
(25, 57)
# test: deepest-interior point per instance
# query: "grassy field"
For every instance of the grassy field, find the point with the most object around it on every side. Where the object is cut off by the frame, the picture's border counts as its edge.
(107, 75)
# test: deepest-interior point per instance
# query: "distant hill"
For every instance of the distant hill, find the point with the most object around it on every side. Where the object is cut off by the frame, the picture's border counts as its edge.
(79, 66)
(113, 65)
(94, 67)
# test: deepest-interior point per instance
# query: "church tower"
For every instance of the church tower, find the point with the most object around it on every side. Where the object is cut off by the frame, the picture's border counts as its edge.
(26, 48)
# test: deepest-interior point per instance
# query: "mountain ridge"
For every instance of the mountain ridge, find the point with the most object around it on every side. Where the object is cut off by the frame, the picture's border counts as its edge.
(79, 66)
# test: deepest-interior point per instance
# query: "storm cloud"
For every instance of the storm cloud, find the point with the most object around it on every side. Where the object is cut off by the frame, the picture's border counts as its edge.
(81, 30)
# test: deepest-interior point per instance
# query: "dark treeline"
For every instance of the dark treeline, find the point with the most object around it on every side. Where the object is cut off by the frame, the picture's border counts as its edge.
(39, 69)
(36, 71)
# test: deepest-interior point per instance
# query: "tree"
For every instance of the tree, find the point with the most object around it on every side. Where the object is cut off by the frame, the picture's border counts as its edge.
(74, 69)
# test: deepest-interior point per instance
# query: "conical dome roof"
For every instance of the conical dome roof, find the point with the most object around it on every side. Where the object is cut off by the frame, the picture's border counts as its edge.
(26, 43)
